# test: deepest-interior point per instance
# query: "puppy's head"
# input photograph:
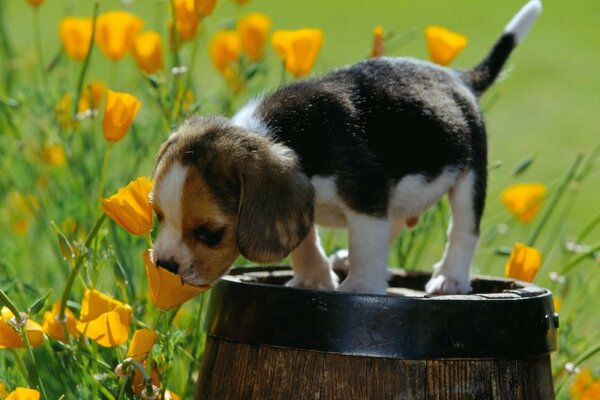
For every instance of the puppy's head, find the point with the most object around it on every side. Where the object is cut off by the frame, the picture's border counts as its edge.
(221, 191)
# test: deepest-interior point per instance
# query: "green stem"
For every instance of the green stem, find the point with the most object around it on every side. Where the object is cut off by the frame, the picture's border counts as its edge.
(86, 62)
(553, 203)
(38, 45)
(78, 263)
(33, 375)
(4, 299)
(133, 363)
(579, 259)
(34, 368)
(103, 172)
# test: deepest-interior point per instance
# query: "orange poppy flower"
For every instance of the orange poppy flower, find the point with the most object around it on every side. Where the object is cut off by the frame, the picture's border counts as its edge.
(91, 96)
(119, 113)
(582, 381)
(225, 49)
(524, 263)
(298, 49)
(35, 3)
(444, 45)
(253, 30)
(56, 329)
(141, 344)
(22, 393)
(130, 206)
(378, 42)
(53, 154)
(116, 31)
(104, 319)
(524, 200)
(147, 52)
(75, 36)
(204, 7)
(10, 339)
(186, 19)
(166, 289)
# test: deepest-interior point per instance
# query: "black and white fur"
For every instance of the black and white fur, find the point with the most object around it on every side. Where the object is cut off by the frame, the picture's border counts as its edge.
(381, 141)
(367, 147)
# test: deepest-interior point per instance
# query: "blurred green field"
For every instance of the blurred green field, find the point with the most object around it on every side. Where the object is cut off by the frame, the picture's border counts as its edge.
(546, 107)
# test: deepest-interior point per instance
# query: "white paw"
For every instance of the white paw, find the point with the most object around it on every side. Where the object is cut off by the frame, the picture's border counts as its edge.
(441, 283)
(325, 282)
(339, 260)
(363, 286)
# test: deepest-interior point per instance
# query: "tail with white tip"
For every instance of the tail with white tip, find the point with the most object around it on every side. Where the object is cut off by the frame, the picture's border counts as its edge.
(483, 75)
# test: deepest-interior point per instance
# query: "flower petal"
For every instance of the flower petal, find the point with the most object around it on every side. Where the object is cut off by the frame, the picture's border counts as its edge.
(166, 289)
(141, 343)
(524, 263)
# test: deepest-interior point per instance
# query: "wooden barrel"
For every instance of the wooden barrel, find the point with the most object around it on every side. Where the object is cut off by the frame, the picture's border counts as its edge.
(268, 341)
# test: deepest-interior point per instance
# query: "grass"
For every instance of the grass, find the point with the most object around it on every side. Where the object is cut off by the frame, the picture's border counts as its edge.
(544, 110)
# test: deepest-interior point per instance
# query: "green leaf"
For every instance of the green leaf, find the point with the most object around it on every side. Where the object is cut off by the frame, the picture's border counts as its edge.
(37, 305)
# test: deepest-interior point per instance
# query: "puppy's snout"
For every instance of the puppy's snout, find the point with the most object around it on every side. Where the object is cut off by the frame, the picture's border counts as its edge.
(169, 265)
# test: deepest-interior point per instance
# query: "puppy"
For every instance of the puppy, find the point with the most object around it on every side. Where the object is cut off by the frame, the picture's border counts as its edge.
(367, 147)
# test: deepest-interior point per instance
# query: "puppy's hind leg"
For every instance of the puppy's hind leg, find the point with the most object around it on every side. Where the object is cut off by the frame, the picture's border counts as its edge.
(451, 274)
(311, 267)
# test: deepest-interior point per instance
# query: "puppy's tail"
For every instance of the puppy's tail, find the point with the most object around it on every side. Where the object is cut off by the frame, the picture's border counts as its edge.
(483, 75)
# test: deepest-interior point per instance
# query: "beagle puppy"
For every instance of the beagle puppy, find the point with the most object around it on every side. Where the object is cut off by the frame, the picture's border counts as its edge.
(368, 147)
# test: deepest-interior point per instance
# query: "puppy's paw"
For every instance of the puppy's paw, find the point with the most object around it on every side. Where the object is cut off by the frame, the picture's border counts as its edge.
(324, 282)
(363, 286)
(442, 283)
(339, 260)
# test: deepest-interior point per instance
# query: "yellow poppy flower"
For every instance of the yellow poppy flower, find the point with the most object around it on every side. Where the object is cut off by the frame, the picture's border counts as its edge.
(444, 45)
(166, 289)
(75, 35)
(130, 206)
(524, 200)
(141, 344)
(115, 32)
(186, 19)
(137, 382)
(298, 49)
(147, 52)
(592, 392)
(10, 339)
(3, 392)
(56, 329)
(104, 319)
(378, 42)
(524, 263)
(582, 381)
(35, 3)
(225, 49)
(119, 113)
(53, 154)
(91, 96)
(22, 393)
(253, 30)
(204, 7)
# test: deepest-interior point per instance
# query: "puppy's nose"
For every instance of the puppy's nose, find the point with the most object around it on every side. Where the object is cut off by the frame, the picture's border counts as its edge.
(169, 265)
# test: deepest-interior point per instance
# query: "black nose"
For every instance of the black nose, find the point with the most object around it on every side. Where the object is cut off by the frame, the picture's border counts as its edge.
(169, 265)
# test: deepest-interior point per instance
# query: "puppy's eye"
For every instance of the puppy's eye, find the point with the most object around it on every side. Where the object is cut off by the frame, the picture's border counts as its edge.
(208, 236)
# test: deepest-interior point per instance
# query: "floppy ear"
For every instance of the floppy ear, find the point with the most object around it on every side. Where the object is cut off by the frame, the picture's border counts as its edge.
(276, 204)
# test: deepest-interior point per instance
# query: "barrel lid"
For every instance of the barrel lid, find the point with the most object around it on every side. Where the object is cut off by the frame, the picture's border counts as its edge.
(502, 318)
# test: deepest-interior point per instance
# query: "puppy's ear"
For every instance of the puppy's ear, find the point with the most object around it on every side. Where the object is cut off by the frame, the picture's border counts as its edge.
(276, 205)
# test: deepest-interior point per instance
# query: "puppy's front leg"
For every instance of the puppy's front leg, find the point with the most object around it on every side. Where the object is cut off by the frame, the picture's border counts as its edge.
(311, 267)
(368, 254)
